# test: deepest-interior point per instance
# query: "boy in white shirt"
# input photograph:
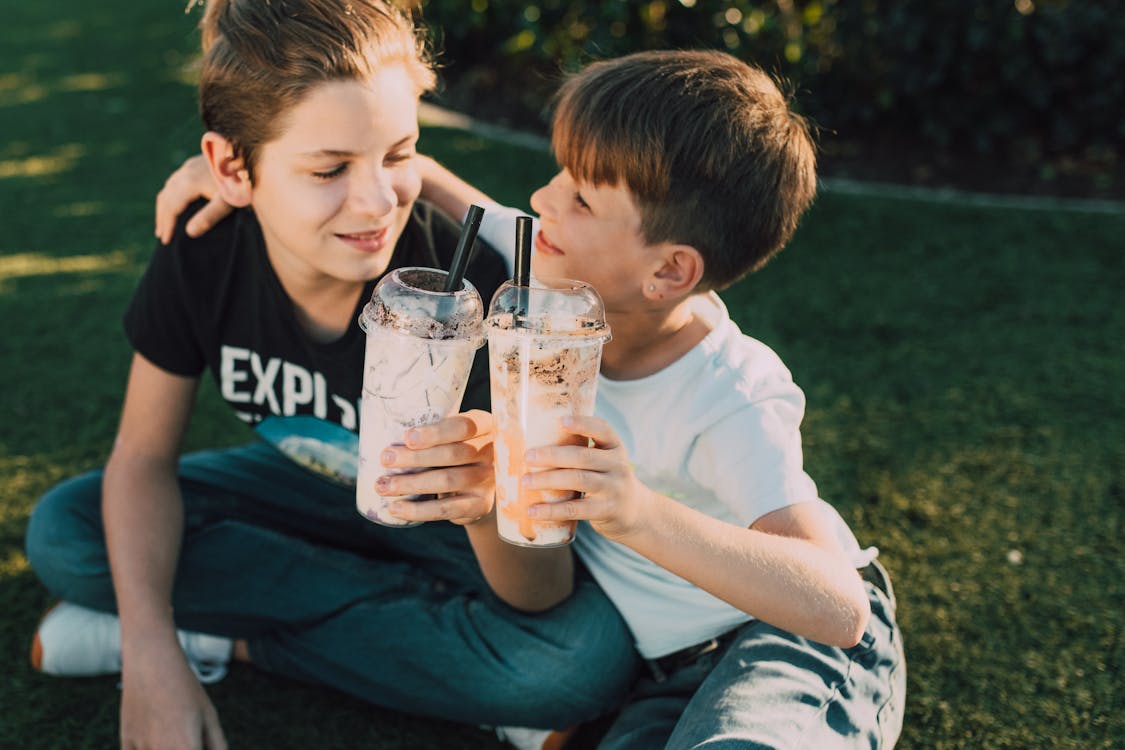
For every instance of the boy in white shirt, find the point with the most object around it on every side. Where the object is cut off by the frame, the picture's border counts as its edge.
(680, 173)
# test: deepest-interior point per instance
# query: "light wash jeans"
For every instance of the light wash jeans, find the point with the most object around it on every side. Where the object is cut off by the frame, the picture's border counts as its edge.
(771, 689)
(400, 617)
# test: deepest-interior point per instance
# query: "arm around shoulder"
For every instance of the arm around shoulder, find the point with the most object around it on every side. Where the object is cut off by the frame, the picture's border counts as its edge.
(190, 181)
(446, 190)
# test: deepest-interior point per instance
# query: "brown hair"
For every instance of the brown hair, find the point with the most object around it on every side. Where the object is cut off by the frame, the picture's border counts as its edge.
(262, 57)
(706, 144)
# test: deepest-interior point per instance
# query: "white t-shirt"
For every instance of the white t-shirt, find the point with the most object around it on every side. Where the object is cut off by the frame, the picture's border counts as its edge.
(718, 430)
(498, 228)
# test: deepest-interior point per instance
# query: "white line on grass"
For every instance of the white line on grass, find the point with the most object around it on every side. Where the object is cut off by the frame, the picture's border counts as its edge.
(431, 114)
(968, 198)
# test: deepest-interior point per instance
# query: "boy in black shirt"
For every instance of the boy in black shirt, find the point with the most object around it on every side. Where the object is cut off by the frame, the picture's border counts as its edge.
(311, 133)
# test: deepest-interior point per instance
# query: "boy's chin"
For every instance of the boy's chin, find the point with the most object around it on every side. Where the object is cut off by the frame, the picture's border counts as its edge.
(364, 270)
(542, 267)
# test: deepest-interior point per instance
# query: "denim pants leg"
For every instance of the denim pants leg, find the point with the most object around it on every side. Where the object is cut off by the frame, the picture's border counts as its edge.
(771, 689)
(233, 499)
(399, 617)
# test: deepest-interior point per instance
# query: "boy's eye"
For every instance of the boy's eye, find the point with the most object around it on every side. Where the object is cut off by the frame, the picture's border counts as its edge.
(581, 201)
(328, 174)
(400, 156)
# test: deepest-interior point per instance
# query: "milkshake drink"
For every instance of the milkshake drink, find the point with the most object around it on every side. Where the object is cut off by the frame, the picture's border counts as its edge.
(420, 347)
(545, 346)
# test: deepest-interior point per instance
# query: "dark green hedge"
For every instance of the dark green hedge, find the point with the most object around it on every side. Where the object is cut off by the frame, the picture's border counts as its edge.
(1020, 80)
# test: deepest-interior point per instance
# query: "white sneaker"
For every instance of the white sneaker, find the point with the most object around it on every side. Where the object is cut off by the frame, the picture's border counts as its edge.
(526, 738)
(73, 641)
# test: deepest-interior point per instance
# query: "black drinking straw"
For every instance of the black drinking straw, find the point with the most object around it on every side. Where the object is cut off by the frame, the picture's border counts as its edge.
(522, 277)
(464, 248)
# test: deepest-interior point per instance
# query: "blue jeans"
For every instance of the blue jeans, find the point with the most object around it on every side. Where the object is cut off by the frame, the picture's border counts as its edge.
(771, 689)
(400, 617)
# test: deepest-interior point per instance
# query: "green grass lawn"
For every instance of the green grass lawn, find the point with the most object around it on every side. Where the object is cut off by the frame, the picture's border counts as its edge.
(963, 368)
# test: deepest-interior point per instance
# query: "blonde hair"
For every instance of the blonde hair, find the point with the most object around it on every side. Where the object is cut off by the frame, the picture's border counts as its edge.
(262, 57)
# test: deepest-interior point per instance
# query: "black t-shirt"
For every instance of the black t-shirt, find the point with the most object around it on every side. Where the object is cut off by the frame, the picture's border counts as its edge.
(216, 303)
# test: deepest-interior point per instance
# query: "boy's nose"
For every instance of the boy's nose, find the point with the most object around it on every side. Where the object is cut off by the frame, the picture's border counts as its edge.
(545, 200)
(372, 193)
(539, 202)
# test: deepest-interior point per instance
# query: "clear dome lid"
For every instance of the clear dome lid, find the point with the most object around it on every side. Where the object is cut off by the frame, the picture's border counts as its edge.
(549, 307)
(411, 301)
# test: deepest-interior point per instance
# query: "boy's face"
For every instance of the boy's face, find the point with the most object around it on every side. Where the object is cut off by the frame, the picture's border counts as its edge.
(335, 190)
(592, 234)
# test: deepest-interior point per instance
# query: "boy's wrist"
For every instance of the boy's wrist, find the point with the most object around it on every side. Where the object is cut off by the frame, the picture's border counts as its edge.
(140, 643)
(648, 510)
(485, 522)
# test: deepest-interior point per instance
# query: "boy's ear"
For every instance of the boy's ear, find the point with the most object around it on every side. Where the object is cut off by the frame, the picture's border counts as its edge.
(678, 275)
(227, 170)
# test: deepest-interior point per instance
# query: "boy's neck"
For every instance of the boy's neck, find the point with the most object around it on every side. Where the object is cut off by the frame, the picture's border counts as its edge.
(324, 306)
(325, 316)
(646, 341)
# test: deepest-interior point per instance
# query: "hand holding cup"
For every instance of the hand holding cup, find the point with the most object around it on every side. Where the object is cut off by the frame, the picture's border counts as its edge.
(451, 460)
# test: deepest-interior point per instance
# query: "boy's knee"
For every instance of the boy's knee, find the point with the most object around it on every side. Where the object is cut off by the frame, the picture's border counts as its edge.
(64, 541)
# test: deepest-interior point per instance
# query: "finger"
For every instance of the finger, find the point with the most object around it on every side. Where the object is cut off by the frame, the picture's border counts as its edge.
(171, 201)
(445, 480)
(459, 509)
(213, 738)
(165, 217)
(455, 454)
(573, 480)
(207, 217)
(594, 428)
(579, 509)
(460, 427)
(569, 457)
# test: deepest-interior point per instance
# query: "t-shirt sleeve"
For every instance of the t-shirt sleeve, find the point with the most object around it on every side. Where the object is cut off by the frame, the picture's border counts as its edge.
(498, 228)
(158, 321)
(488, 269)
(487, 272)
(752, 459)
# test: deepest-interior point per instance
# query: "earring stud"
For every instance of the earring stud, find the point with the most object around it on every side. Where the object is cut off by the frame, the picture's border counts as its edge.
(652, 287)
